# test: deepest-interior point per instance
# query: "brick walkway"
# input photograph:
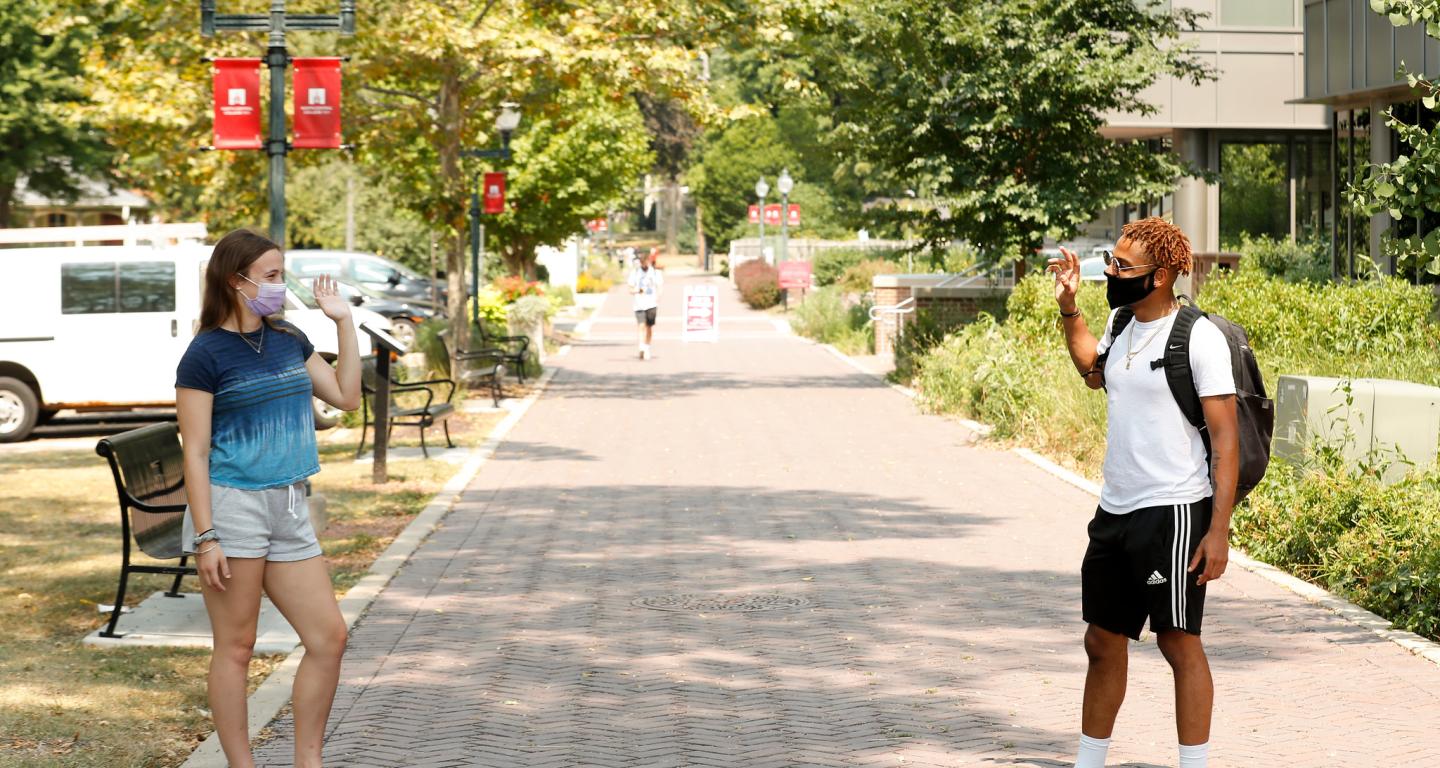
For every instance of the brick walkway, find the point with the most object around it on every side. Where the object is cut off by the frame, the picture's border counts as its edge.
(941, 581)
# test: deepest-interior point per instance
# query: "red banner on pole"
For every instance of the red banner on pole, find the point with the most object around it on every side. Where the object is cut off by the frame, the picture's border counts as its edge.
(754, 214)
(317, 103)
(237, 103)
(494, 193)
(792, 215)
(772, 215)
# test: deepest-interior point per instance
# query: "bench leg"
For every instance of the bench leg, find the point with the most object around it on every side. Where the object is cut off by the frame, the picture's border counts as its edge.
(175, 587)
(448, 442)
(119, 600)
(495, 388)
(423, 450)
(361, 448)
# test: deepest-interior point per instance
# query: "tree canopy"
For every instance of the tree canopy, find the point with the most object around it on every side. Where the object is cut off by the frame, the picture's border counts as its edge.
(46, 136)
(990, 111)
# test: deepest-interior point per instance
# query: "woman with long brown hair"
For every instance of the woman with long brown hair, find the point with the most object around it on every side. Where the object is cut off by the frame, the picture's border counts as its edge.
(243, 395)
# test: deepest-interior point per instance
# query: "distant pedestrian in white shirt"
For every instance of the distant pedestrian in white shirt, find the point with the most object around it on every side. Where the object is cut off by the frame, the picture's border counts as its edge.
(645, 285)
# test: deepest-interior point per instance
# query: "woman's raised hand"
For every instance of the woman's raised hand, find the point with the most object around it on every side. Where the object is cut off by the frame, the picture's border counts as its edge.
(327, 294)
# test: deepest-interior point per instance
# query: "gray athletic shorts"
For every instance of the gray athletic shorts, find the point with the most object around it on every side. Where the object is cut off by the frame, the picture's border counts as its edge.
(273, 523)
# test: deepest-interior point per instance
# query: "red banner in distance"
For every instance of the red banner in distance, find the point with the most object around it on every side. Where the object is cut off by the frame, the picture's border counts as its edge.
(772, 215)
(237, 103)
(754, 214)
(792, 215)
(317, 103)
(494, 193)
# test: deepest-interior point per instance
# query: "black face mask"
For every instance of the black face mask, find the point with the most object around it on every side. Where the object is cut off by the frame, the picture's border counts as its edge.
(1124, 291)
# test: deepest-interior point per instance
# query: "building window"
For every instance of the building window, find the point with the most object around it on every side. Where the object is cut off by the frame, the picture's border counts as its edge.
(1257, 13)
(1254, 192)
(57, 219)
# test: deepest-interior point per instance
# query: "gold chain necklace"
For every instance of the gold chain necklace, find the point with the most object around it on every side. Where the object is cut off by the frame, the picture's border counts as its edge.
(261, 345)
(1130, 353)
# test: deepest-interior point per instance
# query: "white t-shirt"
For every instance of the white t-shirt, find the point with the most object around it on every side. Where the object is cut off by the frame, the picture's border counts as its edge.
(648, 282)
(1153, 456)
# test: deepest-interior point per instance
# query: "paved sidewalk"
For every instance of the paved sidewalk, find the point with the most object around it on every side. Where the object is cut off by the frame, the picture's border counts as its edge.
(934, 590)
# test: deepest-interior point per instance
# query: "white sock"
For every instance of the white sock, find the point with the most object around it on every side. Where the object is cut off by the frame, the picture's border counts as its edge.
(1092, 752)
(1194, 755)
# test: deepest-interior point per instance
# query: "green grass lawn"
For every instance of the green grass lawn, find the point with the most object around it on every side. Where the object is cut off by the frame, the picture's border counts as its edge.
(66, 704)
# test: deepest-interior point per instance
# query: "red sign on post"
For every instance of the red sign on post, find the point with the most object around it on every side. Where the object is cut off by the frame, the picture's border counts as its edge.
(795, 275)
(495, 193)
(792, 215)
(317, 103)
(598, 225)
(754, 214)
(237, 103)
(772, 215)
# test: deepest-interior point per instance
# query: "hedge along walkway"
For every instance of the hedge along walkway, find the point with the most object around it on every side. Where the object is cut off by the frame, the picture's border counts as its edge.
(933, 594)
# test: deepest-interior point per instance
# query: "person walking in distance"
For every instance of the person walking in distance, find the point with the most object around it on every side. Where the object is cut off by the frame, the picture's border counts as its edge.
(645, 284)
(243, 394)
(1161, 531)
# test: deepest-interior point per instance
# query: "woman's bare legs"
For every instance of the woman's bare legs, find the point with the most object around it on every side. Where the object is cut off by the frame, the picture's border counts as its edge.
(304, 595)
(233, 615)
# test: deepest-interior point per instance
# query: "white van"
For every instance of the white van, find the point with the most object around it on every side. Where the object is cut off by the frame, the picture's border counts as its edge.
(102, 327)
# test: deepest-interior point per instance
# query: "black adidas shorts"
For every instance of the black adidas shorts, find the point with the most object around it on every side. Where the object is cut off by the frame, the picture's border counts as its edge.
(1136, 568)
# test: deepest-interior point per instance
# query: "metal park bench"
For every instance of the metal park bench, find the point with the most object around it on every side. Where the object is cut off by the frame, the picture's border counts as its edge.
(434, 410)
(149, 470)
(483, 367)
(513, 349)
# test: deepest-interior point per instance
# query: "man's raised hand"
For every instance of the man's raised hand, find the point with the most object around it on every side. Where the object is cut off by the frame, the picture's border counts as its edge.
(1066, 269)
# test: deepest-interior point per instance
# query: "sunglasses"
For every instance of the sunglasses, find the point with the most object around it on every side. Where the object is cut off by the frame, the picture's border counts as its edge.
(1111, 261)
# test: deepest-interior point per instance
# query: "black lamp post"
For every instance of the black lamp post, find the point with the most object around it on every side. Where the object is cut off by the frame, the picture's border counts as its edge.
(277, 22)
(505, 123)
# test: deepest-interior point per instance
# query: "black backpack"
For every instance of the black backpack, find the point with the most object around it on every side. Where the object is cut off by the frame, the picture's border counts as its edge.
(1254, 411)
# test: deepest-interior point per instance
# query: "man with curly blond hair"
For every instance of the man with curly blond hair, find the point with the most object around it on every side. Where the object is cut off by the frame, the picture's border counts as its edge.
(1162, 528)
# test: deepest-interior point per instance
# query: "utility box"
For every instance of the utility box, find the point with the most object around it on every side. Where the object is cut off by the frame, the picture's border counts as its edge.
(1383, 416)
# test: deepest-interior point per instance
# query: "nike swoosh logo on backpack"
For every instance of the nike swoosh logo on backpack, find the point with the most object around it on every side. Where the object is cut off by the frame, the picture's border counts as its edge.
(1176, 346)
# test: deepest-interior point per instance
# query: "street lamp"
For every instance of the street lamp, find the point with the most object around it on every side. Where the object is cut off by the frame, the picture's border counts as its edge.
(785, 184)
(505, 123)
(762, 188)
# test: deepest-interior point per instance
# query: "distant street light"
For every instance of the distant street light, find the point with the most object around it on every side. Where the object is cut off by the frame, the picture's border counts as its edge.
(505, 124)
(762, 188)
(785, 184)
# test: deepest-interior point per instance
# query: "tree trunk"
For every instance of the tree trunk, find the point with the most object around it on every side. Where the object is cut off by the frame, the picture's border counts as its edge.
(7, 201)
(673, 215)
(450, 120)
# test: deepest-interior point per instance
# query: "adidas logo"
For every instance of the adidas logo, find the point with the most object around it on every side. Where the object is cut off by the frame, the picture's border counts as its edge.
(1155, 578)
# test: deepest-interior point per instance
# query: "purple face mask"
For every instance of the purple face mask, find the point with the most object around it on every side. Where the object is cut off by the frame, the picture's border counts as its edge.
(269, 300)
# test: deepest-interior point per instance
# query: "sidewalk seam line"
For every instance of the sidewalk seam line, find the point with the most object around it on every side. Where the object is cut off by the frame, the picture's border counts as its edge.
(274, 693)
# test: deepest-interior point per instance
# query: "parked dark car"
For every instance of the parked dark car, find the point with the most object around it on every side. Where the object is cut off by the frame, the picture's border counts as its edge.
(404, 316)
(377, 275)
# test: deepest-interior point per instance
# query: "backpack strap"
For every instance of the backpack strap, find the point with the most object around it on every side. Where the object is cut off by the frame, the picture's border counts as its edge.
(1123, 316)
(1176, 362)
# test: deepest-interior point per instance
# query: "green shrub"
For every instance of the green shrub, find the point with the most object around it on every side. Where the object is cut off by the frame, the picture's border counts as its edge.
(528, 310)
(1374, 328)
(860, 278)
(759, 284)
(1376, 545)
(829, 265)
(724, 267)
(826, 317)
(560, 295)
(1296, 262)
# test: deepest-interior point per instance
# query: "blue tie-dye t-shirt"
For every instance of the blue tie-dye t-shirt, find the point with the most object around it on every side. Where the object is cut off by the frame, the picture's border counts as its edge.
(262, 428)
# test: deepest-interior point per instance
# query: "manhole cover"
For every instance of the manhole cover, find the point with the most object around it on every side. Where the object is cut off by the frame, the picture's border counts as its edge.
(721, 604)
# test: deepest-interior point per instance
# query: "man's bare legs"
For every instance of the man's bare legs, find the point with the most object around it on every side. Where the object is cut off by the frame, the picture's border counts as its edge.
(1194, 688)
(1105, 680)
